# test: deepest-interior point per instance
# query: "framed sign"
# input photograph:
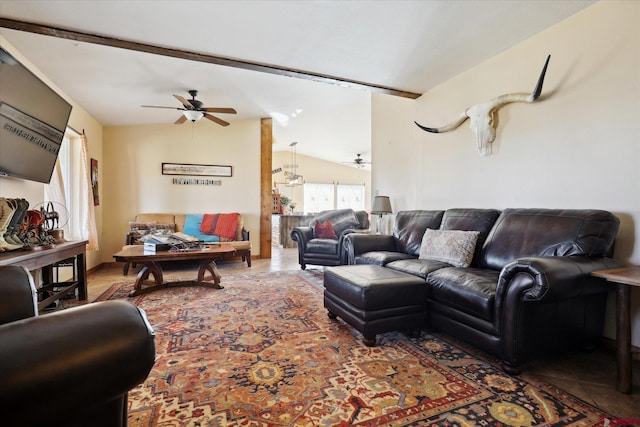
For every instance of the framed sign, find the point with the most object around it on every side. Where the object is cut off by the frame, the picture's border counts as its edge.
(195, 170)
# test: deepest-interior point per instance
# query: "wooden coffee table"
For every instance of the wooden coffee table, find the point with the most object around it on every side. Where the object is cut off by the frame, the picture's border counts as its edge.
(151, 266)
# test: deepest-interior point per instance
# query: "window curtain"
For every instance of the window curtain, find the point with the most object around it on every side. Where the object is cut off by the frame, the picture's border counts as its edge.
(87, 209)
(54, 191)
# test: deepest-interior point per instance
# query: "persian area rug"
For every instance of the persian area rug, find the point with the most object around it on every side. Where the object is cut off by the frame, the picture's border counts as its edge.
(263, 352)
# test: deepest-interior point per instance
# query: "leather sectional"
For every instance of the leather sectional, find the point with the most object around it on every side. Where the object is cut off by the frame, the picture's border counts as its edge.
(527, 292)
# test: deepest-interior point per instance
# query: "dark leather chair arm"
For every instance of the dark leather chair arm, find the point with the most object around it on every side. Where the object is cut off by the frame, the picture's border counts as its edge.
(19, 299)
(359, 243)
(71, 361)
(552, 278)
(301, 235)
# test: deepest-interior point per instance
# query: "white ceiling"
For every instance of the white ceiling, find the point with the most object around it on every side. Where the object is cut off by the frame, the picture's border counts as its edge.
(406, 45)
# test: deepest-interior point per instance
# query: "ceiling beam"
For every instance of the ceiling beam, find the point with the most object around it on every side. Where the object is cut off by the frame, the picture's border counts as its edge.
(194, 56)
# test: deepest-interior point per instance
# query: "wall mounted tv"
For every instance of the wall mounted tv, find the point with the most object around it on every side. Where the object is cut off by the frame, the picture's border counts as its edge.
(33, 118)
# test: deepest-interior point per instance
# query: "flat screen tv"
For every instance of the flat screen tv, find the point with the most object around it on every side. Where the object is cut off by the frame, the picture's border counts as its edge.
(33, 118)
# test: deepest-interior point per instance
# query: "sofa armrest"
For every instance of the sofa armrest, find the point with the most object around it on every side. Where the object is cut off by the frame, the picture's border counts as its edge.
(552, 278)
(77, 358)
(19, 296)
(245, 234)
(360, 243)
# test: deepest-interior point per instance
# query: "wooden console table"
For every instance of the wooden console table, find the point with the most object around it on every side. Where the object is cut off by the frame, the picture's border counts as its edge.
(623, 277)
(45, 259)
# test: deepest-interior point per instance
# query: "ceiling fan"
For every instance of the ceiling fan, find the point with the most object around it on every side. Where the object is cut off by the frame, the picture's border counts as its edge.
(358, 161)
(193, 110)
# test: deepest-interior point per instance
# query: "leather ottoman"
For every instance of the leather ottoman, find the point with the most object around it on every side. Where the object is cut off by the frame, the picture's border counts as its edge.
(374, 299)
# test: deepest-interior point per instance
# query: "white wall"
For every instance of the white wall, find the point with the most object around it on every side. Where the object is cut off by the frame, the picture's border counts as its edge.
(134, 182)
(577, 147)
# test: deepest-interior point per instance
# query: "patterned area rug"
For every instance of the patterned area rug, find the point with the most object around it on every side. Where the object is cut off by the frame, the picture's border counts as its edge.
(263, 352)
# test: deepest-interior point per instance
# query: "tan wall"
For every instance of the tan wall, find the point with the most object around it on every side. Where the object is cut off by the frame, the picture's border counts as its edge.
(577, 147)
(134, 182)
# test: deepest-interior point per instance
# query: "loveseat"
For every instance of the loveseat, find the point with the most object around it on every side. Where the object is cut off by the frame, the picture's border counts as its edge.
(321, 242)
(69, 368)
(522, 290)
(192, 224)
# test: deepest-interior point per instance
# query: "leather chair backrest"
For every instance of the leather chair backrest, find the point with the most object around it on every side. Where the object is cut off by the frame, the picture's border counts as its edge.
(409, 227)
(481, 220)
(522, 233)
(363, 218)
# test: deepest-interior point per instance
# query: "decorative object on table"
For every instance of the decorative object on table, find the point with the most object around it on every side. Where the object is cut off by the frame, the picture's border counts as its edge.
(291, 175)
(284, 202)
(482, 115)
(94, 182)
(292, 207)
(196, 169)
(381, 206)
(193, 110)
(56, 218)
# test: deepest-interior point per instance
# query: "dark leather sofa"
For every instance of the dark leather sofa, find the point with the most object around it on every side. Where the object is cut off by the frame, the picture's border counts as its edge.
(328, 251)
(72, 367)
(527, 293)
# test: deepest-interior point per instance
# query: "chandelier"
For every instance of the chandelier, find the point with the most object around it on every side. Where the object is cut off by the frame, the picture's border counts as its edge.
(291, 176)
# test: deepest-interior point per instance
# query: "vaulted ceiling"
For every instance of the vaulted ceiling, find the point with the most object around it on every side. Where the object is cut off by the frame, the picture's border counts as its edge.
(408, 46)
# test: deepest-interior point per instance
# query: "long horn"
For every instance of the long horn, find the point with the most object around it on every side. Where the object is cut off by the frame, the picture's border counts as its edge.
(538, 90)
(447, 128)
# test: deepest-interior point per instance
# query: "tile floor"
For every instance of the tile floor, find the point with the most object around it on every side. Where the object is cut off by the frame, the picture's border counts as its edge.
(588, 376)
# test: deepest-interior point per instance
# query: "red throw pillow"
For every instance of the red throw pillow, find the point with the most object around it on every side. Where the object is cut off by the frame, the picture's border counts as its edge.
(324, 230)
(208, 223)
(226, 226)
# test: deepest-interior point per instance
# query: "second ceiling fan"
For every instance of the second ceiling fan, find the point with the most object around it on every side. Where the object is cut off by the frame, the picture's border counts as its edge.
(193, 110)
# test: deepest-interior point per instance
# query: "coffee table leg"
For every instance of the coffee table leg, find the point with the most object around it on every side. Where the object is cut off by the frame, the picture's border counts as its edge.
(148, 268)
(211, 267)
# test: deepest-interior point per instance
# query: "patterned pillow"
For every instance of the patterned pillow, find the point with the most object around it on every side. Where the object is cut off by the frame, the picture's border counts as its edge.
(454, 247)
(139, 229)
(324, 230)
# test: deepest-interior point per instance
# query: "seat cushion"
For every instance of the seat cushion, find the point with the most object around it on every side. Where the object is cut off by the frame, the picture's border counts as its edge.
(417, 267)
(381, 257)
(372, 287)
(471, 290)
(322, 246)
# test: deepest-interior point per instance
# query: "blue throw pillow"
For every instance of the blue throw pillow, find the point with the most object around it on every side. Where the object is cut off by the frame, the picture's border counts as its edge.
(192, 227)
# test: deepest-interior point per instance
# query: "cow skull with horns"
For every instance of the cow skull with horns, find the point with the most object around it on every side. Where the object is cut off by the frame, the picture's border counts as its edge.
(482, 115)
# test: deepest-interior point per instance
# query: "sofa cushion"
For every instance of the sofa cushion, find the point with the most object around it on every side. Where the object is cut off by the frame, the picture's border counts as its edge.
(324, 230)
(455, 247)
(140, 230)
(223, 225)
(409, 227)
(470, 290)
(417, 267)
(381, 257)
(322, 246)
(481, 220)
(520, 233)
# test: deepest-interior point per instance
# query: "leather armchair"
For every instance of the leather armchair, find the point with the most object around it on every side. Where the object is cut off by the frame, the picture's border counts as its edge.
(72, 367)
(324, 251)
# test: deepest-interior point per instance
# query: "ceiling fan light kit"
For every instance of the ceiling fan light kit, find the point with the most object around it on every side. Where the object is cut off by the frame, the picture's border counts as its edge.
(193, 110)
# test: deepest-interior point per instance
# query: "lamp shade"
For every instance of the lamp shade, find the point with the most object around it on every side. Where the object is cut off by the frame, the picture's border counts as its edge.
(381, 205)
(193, 115)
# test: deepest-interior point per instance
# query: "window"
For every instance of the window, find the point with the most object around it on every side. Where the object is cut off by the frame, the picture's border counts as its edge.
(322, 197)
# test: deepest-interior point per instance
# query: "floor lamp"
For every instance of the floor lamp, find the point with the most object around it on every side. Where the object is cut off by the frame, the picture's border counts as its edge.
(381, 206)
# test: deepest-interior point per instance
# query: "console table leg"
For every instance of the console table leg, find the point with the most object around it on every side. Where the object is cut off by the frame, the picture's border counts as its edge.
(623, 337)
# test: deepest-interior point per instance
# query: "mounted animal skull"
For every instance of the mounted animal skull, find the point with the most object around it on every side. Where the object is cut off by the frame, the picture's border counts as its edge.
(482, 115)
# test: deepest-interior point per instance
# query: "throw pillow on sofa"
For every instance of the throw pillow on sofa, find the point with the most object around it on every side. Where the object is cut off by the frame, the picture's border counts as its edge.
(139, 230)
(224, 225)
(454, 247)
(192, 223)
(324, 230)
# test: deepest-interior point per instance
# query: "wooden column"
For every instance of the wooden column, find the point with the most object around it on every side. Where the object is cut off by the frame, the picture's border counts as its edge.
(266, 150)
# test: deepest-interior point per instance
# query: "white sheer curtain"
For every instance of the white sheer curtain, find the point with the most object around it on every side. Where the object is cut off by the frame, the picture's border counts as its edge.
(87, 210)
(70, 186)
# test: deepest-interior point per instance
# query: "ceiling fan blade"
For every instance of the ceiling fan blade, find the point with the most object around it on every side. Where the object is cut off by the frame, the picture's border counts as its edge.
(220, 110)
(215, 119)
(156, 106)
(181, 120)
(184, 102)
